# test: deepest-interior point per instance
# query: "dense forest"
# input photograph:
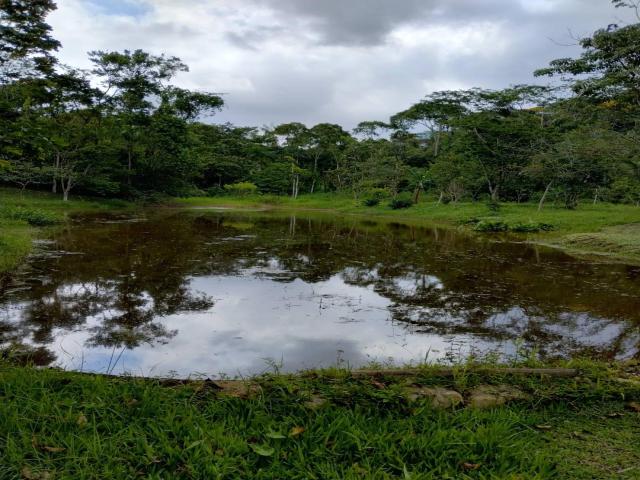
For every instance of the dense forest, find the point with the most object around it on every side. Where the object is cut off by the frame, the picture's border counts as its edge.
(122, 129)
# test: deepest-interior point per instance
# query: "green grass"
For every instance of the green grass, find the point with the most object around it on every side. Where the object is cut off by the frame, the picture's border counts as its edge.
(586, 220)
(22, 212)
(56, 424)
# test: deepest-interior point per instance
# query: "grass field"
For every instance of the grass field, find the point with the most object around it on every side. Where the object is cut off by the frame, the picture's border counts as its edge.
(602, 229)
(67, 425)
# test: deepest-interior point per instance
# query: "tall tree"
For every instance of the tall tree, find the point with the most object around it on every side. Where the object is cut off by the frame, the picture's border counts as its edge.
(609, 66)
(26, 44)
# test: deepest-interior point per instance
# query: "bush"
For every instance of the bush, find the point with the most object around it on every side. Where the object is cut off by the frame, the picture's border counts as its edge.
(215, 191)
(491, 226)
(151, 198)
(242, 189)
(379, 193)
(187, 191)
(371, 202)
(495, 226)
(531, 227)
(493, 206)
(624, 190)
(400, 203)
(34, 217)
(274, 178)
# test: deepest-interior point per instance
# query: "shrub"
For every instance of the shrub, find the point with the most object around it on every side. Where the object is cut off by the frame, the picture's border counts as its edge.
(400, 203)
(187, 191)
(215, 191)
(379, 193)
(494, 226)
(242, 188)
(491, 226)
(531, 227)
(371, 202)
(151, 198)
(34, 217)
(493, 206)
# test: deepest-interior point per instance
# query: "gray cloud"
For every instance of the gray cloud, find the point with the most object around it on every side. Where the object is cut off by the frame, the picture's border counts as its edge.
(357, 22)
(340, 61)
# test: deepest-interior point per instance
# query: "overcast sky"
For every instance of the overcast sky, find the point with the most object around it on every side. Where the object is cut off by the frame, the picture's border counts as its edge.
(339, 61)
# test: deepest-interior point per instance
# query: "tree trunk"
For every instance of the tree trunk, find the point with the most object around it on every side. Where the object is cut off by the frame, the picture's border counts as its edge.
(441, 197)
(437, 145)
(56, 166)
(494, 193)
(129, 165)
(416, 195)
(65, 189)
(544, 195)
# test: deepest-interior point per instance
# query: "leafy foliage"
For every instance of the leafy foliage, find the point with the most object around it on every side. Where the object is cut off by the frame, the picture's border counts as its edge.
(400, 203)
(241, 188)
(125, 130)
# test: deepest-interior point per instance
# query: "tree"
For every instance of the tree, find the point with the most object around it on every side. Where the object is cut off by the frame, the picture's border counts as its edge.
(500, 131)
(434, 113)
(131, 82)
(328, 143)
(609, 65)
(25, 39)
(152, 115)
(577, 164)
(22, 174)
(371, 130)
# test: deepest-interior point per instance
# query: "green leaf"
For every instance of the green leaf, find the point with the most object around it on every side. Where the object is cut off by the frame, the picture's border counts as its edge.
(194, 444)
(263, 450)
(275, 435)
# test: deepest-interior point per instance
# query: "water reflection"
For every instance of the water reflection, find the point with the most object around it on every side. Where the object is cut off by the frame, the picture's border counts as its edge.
(219, 292)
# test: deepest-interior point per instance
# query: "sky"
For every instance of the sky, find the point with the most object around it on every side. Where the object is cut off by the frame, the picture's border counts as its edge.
(338, 61)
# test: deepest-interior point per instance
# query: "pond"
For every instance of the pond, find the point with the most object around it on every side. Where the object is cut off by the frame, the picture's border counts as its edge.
(210, 292)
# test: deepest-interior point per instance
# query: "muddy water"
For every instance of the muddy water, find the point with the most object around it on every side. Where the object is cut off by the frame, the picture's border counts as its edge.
(191, 292)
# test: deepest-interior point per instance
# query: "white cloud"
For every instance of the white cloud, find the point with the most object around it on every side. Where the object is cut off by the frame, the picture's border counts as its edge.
(336, 61)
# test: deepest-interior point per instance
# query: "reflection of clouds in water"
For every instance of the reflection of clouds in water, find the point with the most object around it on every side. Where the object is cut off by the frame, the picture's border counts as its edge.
(256, 320)
(589, 331)
(323, 295)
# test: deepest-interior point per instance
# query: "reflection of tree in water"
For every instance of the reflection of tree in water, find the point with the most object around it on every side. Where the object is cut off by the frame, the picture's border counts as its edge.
(424, 303)
(118, 292)
(442, 283)
(131, 275)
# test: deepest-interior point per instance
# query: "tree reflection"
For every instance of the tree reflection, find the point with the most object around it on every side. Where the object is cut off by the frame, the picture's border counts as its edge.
(118, 281)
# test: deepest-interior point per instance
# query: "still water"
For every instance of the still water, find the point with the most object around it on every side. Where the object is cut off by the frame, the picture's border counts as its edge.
(211, 292)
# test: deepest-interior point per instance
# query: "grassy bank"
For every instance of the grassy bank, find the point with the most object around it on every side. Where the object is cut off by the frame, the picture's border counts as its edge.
(601, 229)
(327, 425)
(21, 214)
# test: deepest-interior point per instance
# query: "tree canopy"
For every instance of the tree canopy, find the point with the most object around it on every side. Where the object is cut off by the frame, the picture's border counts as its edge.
(124, 128)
